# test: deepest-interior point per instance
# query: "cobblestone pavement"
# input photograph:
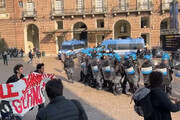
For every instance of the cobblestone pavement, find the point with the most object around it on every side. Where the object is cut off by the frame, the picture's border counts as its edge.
(99, 105)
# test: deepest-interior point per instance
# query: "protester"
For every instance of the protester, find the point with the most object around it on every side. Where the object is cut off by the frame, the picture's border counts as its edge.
(18, 70)
(5, 58)
(161, 103)
(18, 74)
(38, 54)
(40, 69)
(21, 52)
(30, 56)
(59, 107)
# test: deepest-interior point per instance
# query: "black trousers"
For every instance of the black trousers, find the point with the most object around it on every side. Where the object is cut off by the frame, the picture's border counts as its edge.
(5, 61)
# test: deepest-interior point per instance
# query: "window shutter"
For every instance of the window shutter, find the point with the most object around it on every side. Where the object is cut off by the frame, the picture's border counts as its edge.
(127, 4)
(93, 4)
(151, 5)
(123, 5)
(138, 4)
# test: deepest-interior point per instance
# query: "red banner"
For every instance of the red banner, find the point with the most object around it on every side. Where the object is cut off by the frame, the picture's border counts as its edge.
(21, 96)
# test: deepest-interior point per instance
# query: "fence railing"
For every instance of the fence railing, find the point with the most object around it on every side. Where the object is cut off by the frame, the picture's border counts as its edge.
(79, 11)
(29, 13)
(170, 31)
(131, 8)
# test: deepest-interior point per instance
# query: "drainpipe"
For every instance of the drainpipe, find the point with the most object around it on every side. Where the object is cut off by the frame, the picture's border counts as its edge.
(15, 22)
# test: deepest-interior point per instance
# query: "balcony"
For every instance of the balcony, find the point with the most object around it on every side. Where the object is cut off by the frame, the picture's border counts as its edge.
(166, 6)
(169, 31)
(132, 8)
(79, 11)
(29, 14)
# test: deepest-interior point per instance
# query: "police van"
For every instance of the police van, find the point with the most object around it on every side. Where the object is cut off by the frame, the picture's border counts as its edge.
(74, 46)
(124, 46)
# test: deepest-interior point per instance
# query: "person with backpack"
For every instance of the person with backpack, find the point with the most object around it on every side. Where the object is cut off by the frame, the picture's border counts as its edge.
(152, 103)
(59, 107)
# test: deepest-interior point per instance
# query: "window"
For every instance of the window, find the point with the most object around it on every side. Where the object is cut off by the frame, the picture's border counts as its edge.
(58, 6)
(30, 8)
(21, 4)
(112, 46)
(122, 4)
(99, 5)
(144, 4)
(2, 3)
(125, 46)
(78, 46)
(167, 4)
(59, 24)
(164, 25)
(67, 47)
(79, 4)
(145, 22)
(100, 23)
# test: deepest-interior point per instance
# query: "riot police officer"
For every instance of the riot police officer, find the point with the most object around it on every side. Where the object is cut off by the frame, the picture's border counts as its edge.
(69, 67)
(89, 76)
(166, 69)
(146, 69)
(82, 61)
(131, 74)
(97, 76)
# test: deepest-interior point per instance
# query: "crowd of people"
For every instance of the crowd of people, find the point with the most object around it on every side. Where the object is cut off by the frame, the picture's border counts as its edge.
(100, 68)
(106, 69)
(55, 109)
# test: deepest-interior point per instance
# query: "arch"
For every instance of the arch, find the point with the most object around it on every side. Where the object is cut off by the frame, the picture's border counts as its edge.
(79, 32)
(31, 37)
(164, 27)
(165, 23)
(122, 29)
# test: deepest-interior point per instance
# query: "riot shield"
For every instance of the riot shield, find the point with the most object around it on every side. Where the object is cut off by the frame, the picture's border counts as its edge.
(176, 62)
(80, 57)
(146, 68)
(84, 67)
(95, 67)
(108, 70)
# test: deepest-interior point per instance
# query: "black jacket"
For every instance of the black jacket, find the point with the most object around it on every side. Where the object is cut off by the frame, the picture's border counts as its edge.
(61, 108)
(162, 105)
(30, 55)
(68, 63)
(14, 78)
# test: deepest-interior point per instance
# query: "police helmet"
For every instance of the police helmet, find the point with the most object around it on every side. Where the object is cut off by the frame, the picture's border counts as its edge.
(147, 57)
(165, 57)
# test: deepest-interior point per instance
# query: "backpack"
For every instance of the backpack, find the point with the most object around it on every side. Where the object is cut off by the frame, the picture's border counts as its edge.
(143, 105)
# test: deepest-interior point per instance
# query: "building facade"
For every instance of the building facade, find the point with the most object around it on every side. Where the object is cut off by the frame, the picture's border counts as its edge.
(45, 24)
